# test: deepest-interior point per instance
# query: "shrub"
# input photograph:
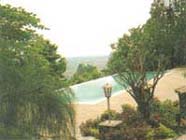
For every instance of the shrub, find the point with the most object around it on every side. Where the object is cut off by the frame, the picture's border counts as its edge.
(138, 132)
(129, 115)
(127, 108)
(163, 132)
(165, 112)
(94, 132)
(90, 128)
(134, 127)
(113, 115)
(150, 134)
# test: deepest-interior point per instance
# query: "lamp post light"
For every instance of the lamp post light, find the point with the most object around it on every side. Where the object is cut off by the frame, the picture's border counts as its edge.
(107, 91)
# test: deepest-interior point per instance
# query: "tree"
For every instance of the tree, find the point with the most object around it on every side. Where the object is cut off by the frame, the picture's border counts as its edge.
(18, 28)
(30, 100)
(132, 60)
(155, 46)
(57, 62)
(166, 31)
(85, 72)
(48, 50)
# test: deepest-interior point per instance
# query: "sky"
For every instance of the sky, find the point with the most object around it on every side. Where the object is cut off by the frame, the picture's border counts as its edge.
(86, 27)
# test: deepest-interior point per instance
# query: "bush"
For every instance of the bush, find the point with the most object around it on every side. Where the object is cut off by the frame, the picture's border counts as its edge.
(163, 132)
(94, 132)
(129, 115)
(134, 127)
(150, 134)
(113, 115)
(142, 131)
(90, 128)
(165, 112)
(128, 110)
(139, 132)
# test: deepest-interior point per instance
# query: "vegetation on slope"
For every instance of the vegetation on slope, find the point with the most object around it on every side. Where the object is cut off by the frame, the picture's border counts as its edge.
(31, 74)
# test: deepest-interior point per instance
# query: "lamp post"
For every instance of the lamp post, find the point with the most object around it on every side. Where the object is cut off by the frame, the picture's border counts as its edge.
(108, 125)
(107, 91)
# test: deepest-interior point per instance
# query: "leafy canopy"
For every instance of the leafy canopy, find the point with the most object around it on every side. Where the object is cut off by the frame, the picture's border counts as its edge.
(31, 75)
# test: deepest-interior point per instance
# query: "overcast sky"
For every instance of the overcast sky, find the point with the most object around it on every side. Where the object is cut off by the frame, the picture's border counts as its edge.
(86, 27)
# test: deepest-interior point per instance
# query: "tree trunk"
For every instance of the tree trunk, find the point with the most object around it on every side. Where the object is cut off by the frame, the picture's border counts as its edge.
(144, 109)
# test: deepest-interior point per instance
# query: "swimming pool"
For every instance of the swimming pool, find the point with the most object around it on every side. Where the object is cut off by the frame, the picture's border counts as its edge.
(92, 91)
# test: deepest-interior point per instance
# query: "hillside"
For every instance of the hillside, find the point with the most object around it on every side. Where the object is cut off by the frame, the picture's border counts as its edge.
(73, 62)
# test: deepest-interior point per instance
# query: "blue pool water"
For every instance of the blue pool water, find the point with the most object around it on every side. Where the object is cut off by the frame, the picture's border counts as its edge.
(92, 91)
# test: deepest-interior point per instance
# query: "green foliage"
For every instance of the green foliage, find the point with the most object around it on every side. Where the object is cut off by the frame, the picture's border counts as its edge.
(155, 46)
(165, 112)
(85, 72)
(139, 132)
(132, 61)
(150, 134)
(129, 114)
(90, 128)
(56, 62)
(73, 62)
(134, 126)
(182, 109)
(128, 133)
(126, 108)
(94, 132)
(17, 24)
(166, 31)
(163, 132)
(112, 114)
(30, 100)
